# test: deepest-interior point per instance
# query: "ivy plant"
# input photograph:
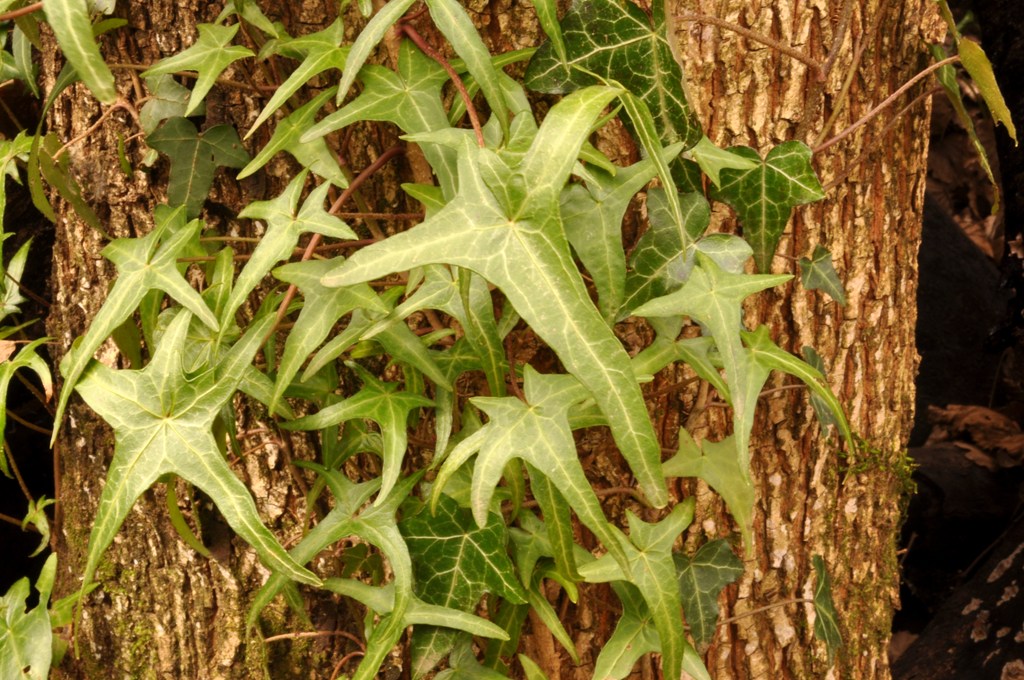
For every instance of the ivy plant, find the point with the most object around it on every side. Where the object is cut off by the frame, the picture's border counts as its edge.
(521, 229)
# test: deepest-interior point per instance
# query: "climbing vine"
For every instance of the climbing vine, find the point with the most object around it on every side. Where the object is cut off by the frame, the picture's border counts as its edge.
(521, 227)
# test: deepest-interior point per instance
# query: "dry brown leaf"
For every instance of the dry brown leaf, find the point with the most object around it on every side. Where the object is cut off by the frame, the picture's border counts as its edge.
(977, 456)
(6, 349)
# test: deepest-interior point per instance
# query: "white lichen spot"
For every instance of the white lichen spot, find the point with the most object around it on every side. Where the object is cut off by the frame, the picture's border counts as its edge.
(775, 479)
(1013, 670)
(850, 509)
(709, 527)
(971, 606)
(980, 627)
(750, 648)
(1004, 565)
(785, 633)
(1009, 592)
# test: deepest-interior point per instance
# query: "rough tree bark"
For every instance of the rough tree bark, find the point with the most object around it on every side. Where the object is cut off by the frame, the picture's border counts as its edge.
(164, 612)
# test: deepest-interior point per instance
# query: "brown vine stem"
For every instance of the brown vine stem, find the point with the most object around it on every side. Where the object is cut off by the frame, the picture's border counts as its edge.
(227, 82)
(315, 634)
(878, 141)
(767, 607)
(861, 43)
(314, 241)
(886, 103)
(21, 11)
(474, 118)
(756, 37)
(840, 36)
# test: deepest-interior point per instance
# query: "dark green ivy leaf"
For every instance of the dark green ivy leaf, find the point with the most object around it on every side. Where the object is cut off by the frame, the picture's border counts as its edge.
(826, 627)
(617, 41)
(194, 158)
(701, 579)
(763, 197)
(818, 273)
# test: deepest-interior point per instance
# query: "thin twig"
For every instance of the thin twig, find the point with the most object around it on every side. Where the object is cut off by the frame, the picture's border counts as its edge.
(879, 139)
(756, 37)
(888, 102)
(840, 36)
(315, 634)
(32, 426)
(13, 465)
(474, 118)
(767, 607)
(21, 11)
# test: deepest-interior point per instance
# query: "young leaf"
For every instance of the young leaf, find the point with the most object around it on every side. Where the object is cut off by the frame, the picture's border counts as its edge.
(10, 287)
(537, 432)
(162, 420)
(818, 273)
(12, 150)
(593, 224)
(634, 636)
(319, 51)
(826, 627)
(367, 40)
(208, 57)
(382, 403)
(455, 563)
(313, 155)
(618, 41)
(70, 22)
(974, 59)
(321, 309)
(521, 248)
(285, 223)
(653, 573)
(143, 264)
(719, 464)
(821, 408)
(764, 197)
(713, 159)
(701, 579)
(26, 358)
(26, 637)
(194, 158)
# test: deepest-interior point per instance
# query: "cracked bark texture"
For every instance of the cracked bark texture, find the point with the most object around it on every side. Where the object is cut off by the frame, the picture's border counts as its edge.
(164, 612)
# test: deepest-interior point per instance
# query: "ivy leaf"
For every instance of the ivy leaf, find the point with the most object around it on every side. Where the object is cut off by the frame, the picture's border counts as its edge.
(10, 287)
(818, 273)
(455, 562)
(162, 420)
(194, 158)
(167, 99)
(208, 57)
(660, 262)
(714, 297)
(314, 155)
(26, 358)
(821, 409)
(719, 464)
(976, 62)
(653, 573)
(701, 579)
(143, 264)
(826, 627)
(321, 309)
(26, 637)
(12, 150)
(70, 22)
(634, 636)
(771, 356)
(319, 51)
(381, 403)
(764, 197)
(521, 248)
(593, 224)
(410, 98)
(285, 223)
(618, 41)
(537, 432)
(713, 159)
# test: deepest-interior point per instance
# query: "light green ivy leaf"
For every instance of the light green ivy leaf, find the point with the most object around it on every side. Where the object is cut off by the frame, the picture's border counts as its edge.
(26, 358)
(521, 248)
(382, 403)
(69, 20)
(208, 57)
(285, 223)
(26, 636)
(162, 419)
(167, 99)
(764, 196)
(143, 264)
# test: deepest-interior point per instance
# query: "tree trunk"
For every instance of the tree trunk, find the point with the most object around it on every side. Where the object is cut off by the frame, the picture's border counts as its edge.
(162, 611)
